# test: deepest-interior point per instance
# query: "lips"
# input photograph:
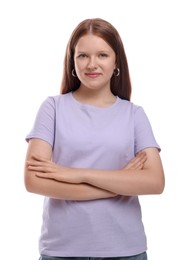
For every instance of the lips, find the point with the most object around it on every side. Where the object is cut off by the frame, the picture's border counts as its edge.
(92, 75)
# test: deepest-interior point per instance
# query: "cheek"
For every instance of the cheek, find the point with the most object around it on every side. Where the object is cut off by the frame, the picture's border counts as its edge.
(111, 69)
(79, 66)
(111, 65)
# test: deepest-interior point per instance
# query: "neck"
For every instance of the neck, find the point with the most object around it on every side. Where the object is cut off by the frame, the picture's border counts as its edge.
(99, 98)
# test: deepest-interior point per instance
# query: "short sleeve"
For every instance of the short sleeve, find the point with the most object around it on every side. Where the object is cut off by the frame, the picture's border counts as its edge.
(144, 137)
(44, 124)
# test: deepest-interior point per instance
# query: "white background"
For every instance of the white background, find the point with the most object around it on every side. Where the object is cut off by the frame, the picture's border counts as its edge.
(33, 37)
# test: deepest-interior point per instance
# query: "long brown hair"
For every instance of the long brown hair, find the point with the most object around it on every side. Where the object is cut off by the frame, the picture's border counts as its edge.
(120, 85)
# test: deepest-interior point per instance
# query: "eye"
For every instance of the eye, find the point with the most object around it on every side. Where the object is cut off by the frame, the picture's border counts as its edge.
(82, 55)
(103, 55)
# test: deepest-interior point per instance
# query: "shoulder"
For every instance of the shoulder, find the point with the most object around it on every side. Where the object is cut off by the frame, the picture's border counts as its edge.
(56, 100)
(130, 106)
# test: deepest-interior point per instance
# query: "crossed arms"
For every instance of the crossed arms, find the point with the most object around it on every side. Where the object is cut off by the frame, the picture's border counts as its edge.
(143, 175)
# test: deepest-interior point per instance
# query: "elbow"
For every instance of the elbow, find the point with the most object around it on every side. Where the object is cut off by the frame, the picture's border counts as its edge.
(28, 188)
(159, 186)
(29, 182)
(28, 185)
(160, 189)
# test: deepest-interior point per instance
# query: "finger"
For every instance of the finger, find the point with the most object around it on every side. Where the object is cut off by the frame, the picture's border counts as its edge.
(136, 163)
(36, 168)
(141, 155)
(139, 159)
(49, 176)
(40, 168)
(33, 163)
(142, 158)
(44, 175)
(39, 163)
(38, 158)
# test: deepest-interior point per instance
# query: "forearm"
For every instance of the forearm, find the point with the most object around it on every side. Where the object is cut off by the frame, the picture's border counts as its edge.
(127, 183)
(62, 190)
(130, 181)
(140, 179)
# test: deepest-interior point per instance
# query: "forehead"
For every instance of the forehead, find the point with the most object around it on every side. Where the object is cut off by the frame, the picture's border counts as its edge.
(92, 42)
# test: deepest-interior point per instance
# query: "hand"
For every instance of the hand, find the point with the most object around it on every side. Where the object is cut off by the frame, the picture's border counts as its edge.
(50, 170)
(137, 163)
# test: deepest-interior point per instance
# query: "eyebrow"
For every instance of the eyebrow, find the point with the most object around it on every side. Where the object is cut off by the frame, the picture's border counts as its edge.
(100, 51)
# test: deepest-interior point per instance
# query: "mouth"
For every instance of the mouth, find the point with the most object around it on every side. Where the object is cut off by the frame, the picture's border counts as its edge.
(92, 75)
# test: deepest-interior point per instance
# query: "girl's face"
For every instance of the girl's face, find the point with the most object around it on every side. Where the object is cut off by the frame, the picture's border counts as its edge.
(94, 62)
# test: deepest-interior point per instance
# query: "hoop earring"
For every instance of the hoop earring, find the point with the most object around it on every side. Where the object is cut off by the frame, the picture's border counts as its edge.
(73, 73)
(116, 72)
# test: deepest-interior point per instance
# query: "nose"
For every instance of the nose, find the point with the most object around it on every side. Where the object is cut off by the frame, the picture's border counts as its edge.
(92, 63)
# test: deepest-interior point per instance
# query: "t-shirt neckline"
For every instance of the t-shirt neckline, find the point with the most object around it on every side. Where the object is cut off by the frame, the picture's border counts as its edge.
(93, 107)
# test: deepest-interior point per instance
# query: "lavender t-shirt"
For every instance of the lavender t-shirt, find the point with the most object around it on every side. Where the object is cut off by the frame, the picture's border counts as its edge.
(85, 136)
